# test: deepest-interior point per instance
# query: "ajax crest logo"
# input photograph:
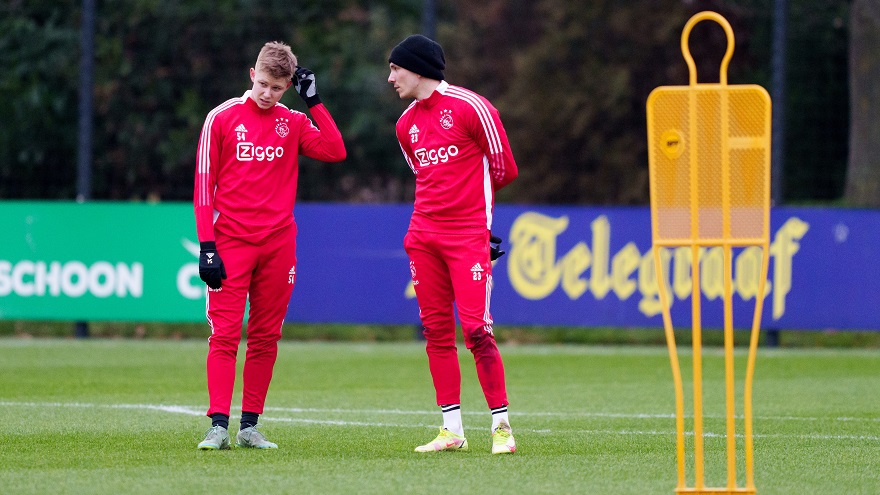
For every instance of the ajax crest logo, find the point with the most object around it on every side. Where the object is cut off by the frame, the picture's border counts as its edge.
(446, 119)
(281, 127)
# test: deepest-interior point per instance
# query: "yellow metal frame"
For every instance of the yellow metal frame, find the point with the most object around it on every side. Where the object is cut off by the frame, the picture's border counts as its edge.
(680, 149)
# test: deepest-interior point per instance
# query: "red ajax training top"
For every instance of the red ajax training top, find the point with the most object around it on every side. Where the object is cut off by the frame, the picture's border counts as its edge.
(247, 166)
(456, 145)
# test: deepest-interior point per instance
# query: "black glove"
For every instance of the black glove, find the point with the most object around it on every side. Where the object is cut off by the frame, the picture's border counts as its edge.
(211, 269)
(495, 251)
(306, 86)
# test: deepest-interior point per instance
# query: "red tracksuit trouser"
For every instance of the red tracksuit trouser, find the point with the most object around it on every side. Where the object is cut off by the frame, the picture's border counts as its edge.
(447, 269)
(264, 274)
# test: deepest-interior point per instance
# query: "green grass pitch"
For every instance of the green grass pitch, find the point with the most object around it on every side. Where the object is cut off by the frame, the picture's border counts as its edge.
(124, 416)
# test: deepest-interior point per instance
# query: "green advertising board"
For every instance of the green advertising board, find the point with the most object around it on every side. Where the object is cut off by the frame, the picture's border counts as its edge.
(99, 261)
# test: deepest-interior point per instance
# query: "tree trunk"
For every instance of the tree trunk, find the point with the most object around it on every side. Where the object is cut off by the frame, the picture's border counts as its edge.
(863, 171)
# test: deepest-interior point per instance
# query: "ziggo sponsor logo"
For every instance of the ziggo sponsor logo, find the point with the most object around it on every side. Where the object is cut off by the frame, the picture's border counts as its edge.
(246, 152)
(433, 157)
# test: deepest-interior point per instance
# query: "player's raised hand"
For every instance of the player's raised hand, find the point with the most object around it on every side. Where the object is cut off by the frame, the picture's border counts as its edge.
(495, 251)
(305, 85)
(211, 269)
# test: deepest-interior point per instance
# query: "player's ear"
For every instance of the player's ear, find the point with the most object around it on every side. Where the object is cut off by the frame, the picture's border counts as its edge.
(253, 74)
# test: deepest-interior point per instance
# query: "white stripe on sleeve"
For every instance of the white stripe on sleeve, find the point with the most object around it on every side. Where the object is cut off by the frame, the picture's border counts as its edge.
(204, 154)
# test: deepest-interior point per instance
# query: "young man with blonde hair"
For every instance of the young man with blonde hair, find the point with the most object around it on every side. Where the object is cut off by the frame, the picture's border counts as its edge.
(453, 141)
(245, 191)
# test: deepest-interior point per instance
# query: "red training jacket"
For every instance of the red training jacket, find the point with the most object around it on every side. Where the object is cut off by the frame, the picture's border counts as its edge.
(247, 166)
(456, 145)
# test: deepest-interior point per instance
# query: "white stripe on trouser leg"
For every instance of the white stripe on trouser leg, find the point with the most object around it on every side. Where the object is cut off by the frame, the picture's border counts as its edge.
(487, 315)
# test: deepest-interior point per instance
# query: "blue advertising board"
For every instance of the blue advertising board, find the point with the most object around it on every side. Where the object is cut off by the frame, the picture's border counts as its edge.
(592, 266)
(565, 266)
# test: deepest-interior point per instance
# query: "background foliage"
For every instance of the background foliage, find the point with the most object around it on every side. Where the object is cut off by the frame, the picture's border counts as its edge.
(570, 79)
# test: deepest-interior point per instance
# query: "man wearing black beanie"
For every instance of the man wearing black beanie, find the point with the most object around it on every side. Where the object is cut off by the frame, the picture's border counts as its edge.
(420, 55)
(455, 144)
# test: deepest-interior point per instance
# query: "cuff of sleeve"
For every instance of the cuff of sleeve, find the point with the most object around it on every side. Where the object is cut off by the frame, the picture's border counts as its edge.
(208, 245)
(313, 100)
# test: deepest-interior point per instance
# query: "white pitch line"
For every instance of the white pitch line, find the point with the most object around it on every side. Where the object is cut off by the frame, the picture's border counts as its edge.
(191, 411)
(334, 422)
(560, 414)
(471, 413)
(712, 434)
(199, 411)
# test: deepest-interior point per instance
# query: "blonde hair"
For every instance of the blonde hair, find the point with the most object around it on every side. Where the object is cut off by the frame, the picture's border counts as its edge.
(277, 60)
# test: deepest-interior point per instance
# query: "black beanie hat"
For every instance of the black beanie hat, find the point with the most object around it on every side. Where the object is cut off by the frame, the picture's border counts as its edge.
(420, 55)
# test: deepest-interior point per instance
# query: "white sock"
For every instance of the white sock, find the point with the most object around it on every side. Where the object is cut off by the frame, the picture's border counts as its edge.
(452, 418)
(499, 414)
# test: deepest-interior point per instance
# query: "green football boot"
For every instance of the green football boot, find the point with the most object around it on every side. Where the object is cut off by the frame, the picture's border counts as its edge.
(446, 440)
(502, 440)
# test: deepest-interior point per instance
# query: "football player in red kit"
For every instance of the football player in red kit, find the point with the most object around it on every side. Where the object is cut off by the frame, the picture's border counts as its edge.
(453, 141)
(245, 189)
